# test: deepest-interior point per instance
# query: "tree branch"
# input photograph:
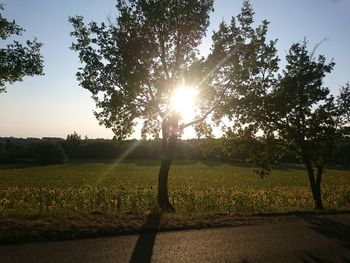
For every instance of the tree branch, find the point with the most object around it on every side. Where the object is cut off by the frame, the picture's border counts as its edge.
(201, 118)
(209, 111)
(155, 101)
(162, 55)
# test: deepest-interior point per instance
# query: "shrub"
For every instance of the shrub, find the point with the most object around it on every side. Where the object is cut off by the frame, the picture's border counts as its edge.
(50, 153)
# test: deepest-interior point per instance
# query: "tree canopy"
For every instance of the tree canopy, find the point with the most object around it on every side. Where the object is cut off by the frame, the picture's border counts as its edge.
(17, 60)
(133, 65)
(299, 111)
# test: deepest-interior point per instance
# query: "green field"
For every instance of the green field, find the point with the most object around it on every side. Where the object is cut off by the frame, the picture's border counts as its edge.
(195, 188)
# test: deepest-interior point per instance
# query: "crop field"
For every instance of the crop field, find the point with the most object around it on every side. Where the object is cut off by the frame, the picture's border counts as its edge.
(131, 186)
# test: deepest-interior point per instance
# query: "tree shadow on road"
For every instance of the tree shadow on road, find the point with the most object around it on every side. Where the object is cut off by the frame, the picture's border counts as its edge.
(311, 258)
(329, 228)
(144, 245)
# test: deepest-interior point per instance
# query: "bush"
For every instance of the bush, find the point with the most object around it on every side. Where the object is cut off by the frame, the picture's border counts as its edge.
(2, 152)
(50, 153)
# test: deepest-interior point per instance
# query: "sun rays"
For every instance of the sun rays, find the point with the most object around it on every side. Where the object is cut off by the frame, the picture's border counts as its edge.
(183, 100)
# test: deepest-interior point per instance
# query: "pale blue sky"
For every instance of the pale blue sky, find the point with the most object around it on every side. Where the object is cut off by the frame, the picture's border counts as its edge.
(55, 105)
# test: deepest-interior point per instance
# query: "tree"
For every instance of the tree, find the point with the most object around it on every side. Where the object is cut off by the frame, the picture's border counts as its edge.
(301, 112)
(73, 146)
(17, 60)
(133, 67)
(247, 65)
(50, 153)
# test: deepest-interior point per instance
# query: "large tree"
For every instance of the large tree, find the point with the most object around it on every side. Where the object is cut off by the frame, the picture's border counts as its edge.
(298, 112)
(133, 66)
(17, 60)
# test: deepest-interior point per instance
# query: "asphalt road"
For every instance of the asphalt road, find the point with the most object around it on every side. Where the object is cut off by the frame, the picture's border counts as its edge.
(297, 239)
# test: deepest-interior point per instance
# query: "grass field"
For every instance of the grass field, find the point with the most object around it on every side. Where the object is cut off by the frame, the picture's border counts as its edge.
(195, 188)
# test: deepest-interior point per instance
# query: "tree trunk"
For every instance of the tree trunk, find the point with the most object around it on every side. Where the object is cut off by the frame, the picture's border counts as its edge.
(167, 154)
(318, 200)
(315, 185)
(163, 196)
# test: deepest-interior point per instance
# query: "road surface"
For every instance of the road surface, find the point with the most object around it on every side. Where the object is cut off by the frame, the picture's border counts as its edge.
(298, 239)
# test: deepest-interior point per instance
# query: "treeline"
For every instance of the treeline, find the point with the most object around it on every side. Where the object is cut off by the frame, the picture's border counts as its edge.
(58, 150)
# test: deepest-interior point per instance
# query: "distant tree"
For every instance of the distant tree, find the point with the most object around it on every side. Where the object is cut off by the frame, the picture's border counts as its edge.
(73, 145)
(300, 112)
(341, 153)
(17, 60)
(50, 153)
(100, 150)
(133, 66)
(12, 151)
(2, 152)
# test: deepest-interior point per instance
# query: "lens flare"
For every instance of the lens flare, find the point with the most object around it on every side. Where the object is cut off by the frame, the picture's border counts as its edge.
(183, 101)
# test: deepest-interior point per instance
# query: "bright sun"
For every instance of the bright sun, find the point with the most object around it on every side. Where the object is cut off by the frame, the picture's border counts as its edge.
(183, 101)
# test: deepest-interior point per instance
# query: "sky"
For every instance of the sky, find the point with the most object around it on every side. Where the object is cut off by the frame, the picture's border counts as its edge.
(54, 105)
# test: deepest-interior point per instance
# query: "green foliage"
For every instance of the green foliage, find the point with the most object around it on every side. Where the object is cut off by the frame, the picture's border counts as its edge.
(100, 150)
(73, 145)
(233, 147)
(132, 65)
(11, 151)
(341, 152)
(50, 153)
(17, 60)
(260, 152)
(297, 109)
(2, 152)
(246, 65)
(301, 110)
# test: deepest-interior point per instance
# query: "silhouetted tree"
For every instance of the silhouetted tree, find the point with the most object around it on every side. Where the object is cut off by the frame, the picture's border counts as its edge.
(341, 153)
(100, 150)
(50, 153)
(133, 65)
(73, 145)
(299, 111)
(17, 60)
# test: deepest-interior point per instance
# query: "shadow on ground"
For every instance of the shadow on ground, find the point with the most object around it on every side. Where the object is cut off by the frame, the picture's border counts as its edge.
(312, 258)
(329, 228)
(144, 245)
